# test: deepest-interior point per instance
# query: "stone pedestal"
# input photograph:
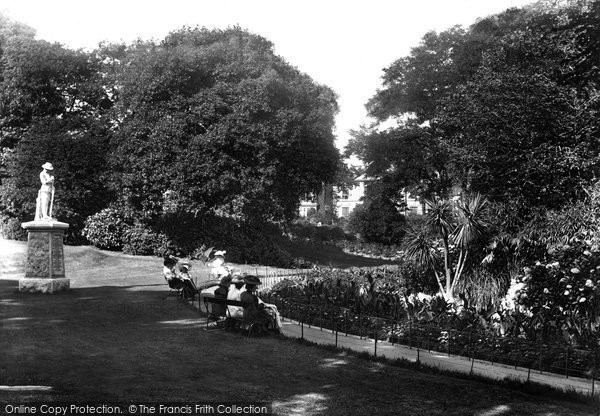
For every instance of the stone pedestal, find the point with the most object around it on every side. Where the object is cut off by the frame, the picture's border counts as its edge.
(45, 269)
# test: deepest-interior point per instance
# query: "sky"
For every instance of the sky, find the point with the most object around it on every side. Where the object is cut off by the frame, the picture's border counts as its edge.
(342, 44)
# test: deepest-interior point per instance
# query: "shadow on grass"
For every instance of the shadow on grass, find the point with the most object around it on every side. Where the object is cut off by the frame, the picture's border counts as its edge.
(332, 256)
(116, 345)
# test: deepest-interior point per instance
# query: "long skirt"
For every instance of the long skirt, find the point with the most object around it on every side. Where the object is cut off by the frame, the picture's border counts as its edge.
(275, 319)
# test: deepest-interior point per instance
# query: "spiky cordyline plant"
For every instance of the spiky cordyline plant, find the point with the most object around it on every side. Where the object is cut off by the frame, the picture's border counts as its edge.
(456, 226)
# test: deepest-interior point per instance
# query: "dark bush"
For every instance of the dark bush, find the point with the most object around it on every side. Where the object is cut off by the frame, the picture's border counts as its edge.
(378, 222)
(251, 243)
(143, 240)
(105, 229)
(10, 229)
(184, 234)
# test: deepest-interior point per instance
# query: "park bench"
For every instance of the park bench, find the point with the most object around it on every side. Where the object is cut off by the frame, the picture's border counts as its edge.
(177, 288)
(216, 317)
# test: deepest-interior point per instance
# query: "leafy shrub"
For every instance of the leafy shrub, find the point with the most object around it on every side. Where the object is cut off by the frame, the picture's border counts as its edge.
(244, 242)
(564, 293)
(142, 240)
(562, 285)
(378, 221)
(11, 229)
(482, 289)
(184, 234)
(105, 229)
(376, 291)
(250, 246)
(415, 279)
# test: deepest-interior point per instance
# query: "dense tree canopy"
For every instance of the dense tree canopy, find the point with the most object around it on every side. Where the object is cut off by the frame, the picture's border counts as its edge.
(52, 108)
(220, 122)
(507, 107)
(378, 221)
(203, 123)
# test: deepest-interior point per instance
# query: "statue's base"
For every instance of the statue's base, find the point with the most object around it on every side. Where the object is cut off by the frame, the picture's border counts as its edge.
(45, 267)
(45, 225)
(36, 285)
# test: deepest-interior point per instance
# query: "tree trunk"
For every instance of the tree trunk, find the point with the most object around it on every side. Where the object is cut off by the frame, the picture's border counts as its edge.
(448, 292)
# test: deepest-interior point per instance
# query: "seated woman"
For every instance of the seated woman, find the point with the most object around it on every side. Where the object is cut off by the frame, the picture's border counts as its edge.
(255, 310)
(274, 313)
(221, 292)
(235, 293)
(189, 288)
(218, 267)
(218, 272)
(170, 274)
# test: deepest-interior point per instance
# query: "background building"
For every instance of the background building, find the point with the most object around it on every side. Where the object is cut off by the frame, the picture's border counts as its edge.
(343, 202)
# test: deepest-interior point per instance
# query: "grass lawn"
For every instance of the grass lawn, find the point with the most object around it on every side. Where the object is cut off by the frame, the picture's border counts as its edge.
(328, 255)
(87, 266)
(119, 339)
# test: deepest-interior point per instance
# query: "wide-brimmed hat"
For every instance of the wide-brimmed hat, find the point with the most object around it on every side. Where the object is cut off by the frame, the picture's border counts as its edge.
(225, 280)
(237, 278)
(48, 166)
(220, 253)
(252, 280)
(170, 260)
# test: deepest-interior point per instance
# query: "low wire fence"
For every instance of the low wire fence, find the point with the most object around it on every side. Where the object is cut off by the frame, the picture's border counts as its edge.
(513, 351)
(475, 344)
(269, 276)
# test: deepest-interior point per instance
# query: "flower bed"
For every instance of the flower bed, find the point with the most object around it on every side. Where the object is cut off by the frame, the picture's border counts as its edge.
(372, 303)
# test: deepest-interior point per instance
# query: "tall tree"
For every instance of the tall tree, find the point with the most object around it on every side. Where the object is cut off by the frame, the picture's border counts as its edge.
(510, 105)
(52, 108)
(10, 32)
(224, 125)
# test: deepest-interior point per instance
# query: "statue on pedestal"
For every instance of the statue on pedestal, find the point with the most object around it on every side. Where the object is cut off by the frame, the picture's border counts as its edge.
(45, 267)
(45, 199)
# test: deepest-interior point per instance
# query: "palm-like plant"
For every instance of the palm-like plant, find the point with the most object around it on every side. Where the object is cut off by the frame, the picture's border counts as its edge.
(472, 228)
(420, 248)
(457, 227)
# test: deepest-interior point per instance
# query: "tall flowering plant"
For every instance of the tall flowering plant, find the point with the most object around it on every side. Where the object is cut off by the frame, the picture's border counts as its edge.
(563, 293)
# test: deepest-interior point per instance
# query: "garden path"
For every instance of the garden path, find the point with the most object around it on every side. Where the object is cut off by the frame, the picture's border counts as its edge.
(443, 361)
(435, 359)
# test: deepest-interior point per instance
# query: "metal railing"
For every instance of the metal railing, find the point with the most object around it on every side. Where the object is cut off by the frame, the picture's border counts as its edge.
(269, 276)
(508, 351)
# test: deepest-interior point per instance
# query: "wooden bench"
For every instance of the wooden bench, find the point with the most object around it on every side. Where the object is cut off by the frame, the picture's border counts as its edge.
(225, 302)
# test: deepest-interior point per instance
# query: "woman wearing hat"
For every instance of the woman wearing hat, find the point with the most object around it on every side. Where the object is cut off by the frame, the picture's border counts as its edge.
(45, 194)
(218, 265)
(221, 292)
(189, 288)
(254, 309)
(170, 274)
(235, 293)
(219, 272)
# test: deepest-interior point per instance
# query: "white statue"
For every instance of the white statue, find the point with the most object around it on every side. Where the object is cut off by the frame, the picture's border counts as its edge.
(45, 199)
